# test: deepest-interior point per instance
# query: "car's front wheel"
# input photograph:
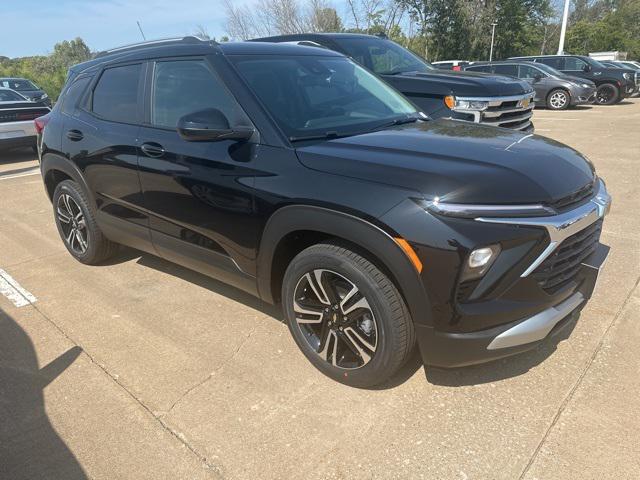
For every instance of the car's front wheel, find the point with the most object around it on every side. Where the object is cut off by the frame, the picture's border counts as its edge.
(346, 315)
(607, 94)
(558, 99)
(77, 226)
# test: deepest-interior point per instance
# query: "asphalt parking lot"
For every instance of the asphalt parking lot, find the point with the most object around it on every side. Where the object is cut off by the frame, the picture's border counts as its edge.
(142, 369)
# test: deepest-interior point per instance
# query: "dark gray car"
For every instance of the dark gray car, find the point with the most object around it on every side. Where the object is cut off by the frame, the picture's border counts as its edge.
(26, 88)
(554, 89)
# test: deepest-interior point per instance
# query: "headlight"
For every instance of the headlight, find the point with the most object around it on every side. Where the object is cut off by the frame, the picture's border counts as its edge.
(44, 96)
(586, 85)
(464, 210)
(465, 104)
(627, 76)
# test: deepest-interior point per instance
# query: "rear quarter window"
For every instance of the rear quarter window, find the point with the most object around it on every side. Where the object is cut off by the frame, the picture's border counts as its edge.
(115, 97)
(73, 94)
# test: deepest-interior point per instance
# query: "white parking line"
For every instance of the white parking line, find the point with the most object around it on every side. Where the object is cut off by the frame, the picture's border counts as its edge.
(14, 291)
(35, 171)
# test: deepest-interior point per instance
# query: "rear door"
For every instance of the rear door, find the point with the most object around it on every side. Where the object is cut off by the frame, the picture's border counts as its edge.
(100, 135)
(199, 194)
(537, 79)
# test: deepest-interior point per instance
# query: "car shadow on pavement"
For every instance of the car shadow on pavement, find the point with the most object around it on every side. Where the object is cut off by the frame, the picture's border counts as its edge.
(500, 369)
(29, 446)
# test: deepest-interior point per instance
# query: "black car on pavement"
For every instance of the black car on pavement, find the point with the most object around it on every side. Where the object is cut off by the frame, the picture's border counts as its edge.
(473, 97)
(614, 84)
(297, 175)
(26, 88)
(554, 89)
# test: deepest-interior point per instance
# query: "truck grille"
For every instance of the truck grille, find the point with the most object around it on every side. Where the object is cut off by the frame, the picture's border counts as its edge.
(563, 265)
(572, 200)
(509, 112)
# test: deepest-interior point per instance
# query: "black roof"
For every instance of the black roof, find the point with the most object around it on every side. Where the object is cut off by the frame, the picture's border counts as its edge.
(310, 36)
(191, 46)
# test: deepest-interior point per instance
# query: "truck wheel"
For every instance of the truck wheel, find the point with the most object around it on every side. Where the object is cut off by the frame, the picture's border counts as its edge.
(77, 226)
(346, 316)
(607, 94)
(558, 99)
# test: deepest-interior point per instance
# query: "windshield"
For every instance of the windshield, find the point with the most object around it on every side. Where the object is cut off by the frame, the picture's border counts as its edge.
(18, 84)
(317, 95)
(549, 70)
(593, 63)
(383, 56)
(9, 96)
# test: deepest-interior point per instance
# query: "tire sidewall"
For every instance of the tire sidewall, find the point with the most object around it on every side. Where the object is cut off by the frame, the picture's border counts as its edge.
(370, 373)
(614, 99)
(567, 97)
(71, 188)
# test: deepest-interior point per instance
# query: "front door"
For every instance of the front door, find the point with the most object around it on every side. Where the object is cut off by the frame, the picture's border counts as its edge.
(198, 193)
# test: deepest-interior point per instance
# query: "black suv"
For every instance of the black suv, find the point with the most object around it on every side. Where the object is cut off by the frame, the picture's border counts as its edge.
(474, 97)
(298, 176)
(614, 84)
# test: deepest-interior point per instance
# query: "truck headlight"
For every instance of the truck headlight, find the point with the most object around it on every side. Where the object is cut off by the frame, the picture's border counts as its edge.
(627, 76)
(462, 104)
(44, 95)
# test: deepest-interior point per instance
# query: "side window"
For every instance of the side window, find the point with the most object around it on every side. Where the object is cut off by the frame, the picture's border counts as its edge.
(511, 70)
(185, 86)
(573, 63)
(555, 62)
(73, 94)
(480, 68)
(116, 94)
(529, 72)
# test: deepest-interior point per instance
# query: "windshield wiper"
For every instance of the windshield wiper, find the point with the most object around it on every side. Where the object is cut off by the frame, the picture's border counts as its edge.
(321, 136)
(397, 121)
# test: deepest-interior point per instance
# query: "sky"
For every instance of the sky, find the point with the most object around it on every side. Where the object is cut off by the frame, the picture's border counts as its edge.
(34, 27)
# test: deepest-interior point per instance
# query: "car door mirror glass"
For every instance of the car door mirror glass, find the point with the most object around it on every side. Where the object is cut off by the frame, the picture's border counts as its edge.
(210, 124)
(586, 68)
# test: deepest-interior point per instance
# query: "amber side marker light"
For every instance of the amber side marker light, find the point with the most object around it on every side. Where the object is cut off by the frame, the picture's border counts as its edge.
(404, 245)
(450, 101)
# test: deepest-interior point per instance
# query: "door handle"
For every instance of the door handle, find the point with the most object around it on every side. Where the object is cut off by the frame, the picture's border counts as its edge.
(152, 150)
(75, 135)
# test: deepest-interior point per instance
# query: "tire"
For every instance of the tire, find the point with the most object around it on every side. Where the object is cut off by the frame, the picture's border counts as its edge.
(77, 226)
(354, 326)
(607, 94)
(558, 99)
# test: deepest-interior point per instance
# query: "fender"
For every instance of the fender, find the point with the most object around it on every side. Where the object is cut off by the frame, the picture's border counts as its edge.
(356, 230)
(52, 161)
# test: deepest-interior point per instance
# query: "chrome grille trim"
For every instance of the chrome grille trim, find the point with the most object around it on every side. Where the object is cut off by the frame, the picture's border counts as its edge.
(498, 107)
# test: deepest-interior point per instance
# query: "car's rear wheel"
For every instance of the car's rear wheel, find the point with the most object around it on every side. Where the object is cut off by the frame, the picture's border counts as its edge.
(607, 94)
(346, 316)
(77, 226)
(558, 99)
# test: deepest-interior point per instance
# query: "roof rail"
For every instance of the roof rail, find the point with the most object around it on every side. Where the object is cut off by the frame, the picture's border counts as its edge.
(161, 41)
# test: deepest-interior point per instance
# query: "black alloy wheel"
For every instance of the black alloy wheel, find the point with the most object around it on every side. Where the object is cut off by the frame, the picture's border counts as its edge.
(607, 94)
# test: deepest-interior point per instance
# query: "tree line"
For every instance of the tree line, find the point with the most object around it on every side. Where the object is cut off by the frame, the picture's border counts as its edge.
(435, 29)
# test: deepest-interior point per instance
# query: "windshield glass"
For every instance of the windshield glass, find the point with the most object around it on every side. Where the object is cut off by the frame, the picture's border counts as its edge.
(549, 70)
(314, 95)
(383, 56)
(593, 63)
(18, 84)
(9, 96)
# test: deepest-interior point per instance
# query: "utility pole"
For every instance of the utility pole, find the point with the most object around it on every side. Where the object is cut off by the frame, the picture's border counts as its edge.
(563, 31)
(141, 32)
(493, 36)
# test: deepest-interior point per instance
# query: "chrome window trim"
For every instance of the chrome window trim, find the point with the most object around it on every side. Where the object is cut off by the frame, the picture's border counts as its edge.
(561, 226)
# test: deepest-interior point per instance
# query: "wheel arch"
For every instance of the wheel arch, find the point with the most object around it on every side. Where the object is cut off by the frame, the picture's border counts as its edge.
(315, 224)
(55, 169)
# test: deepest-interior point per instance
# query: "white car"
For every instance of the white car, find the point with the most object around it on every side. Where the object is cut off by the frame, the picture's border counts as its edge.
(456, 65)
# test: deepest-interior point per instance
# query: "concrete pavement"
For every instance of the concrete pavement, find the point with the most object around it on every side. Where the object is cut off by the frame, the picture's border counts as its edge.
(142, 369)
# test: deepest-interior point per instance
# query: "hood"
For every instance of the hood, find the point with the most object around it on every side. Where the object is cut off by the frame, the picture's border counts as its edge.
(462, 84)
(458, 162)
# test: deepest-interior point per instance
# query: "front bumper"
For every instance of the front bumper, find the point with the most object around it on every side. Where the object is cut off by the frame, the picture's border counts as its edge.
(454, 349)
(582, 96)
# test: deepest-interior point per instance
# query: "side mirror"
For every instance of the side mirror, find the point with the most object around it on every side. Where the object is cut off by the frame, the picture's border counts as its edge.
(586, 68)
(537, 77)
(210, 125)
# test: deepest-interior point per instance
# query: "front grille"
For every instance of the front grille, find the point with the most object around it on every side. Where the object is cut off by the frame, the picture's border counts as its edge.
(509, 112)
(563, 265)
(572, 200)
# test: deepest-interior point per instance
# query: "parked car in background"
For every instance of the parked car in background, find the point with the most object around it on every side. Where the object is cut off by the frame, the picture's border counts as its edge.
(455, 65)
(614, 84)
(630, 64)
(474, 97)
(554, 89)
(17, 114)
(26, 88)
(297, 175)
